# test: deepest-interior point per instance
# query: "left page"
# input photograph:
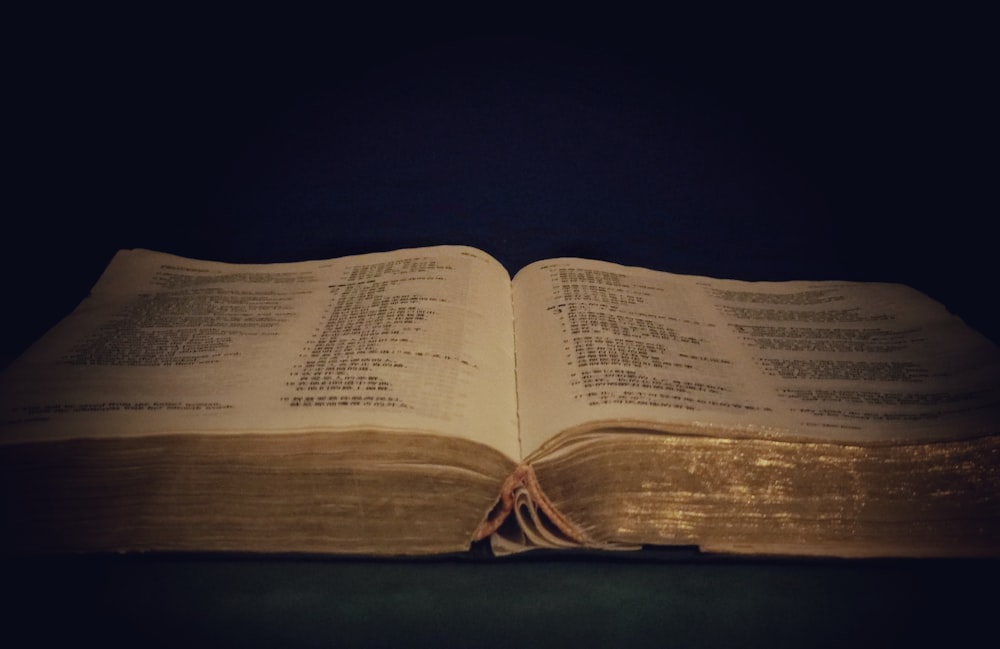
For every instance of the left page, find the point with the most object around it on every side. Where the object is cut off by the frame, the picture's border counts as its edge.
(414, 340)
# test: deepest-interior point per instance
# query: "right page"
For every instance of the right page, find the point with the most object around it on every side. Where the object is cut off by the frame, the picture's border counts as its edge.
(606, 346)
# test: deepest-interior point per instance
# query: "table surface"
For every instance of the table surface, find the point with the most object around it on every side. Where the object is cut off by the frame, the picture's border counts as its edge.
(581, 601)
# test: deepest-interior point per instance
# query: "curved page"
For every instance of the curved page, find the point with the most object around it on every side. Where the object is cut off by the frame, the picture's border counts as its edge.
(602, 345)
(415, 340)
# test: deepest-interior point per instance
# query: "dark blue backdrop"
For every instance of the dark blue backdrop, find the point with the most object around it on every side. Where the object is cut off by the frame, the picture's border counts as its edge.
(833, 146)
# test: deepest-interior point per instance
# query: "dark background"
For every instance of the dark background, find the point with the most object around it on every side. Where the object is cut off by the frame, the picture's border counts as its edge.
(817, 145)
(750, 145)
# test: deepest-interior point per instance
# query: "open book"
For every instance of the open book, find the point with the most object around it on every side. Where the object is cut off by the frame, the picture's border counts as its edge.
(417, 401)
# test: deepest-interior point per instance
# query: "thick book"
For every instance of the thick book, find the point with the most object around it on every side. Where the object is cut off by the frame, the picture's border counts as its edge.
(420, 401)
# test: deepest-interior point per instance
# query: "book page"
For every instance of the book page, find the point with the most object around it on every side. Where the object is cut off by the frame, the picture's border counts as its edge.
(601, 345)
(414, 340)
